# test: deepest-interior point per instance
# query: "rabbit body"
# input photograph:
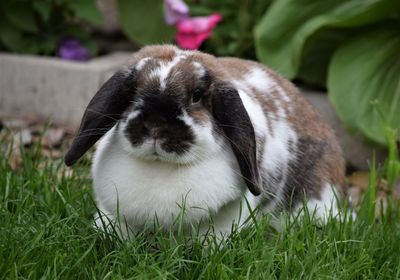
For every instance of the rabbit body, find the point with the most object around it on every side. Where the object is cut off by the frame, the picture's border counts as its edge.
(250, 141)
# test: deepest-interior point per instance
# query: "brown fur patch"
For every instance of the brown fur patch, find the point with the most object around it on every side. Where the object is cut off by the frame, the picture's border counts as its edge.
(199, 114)
(260, 142)
(162, 52)
(144, 78)
(182, 75)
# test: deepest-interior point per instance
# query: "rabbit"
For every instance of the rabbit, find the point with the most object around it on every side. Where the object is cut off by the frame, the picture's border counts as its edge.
(218, 137)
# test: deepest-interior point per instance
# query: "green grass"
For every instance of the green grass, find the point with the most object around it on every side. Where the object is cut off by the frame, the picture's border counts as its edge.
(46, 232)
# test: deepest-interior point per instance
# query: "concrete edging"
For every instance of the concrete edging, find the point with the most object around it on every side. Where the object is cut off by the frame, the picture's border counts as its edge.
(51, 87)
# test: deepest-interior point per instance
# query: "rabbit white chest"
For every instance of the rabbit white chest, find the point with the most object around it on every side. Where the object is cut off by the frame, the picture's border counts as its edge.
(140, 190)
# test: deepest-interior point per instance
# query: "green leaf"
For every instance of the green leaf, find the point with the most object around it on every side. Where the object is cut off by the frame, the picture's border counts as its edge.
(143, 21)
(48, 44)
(365, 69)
(75, 31)
(287, 26)
(368, 203)
(30, 46)
(87, 10)
(316, 56)
(22, 16)
(10, 36)
(43, 8)
(91, 46)
(392, 164)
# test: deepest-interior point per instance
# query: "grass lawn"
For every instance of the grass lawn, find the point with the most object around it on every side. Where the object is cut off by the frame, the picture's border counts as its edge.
(46, 232)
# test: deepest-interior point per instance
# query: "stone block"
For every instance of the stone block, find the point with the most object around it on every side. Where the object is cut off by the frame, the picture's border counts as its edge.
(52, 88)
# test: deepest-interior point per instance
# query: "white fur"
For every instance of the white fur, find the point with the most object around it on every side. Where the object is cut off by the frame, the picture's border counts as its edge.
(259, 79)
(140, 189)
(132, 115)
(142, 63)
(264, 83)
(205, 144)
(165, 69)
(199, 69)
(324, 207)
(256, 114)
(277, 154)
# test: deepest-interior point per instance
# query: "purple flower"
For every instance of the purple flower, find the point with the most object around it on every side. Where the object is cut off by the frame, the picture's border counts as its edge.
(71, 49)
(175, 11)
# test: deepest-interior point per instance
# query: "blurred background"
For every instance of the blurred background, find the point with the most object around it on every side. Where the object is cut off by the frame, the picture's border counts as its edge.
(343, 55)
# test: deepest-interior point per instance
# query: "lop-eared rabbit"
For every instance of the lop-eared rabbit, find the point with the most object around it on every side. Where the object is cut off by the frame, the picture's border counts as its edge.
(218, 137)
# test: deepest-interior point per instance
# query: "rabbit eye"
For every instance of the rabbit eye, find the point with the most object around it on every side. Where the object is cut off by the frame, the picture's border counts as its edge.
(197, 94)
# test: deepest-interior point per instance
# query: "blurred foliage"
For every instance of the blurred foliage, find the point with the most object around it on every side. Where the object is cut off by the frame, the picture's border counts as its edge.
(352, 47)
(143, 22)
(233, 36)
(36, 27)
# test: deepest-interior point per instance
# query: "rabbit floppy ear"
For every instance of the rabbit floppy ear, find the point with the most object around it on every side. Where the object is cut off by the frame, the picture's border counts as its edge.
(233, 119)
(103, 111)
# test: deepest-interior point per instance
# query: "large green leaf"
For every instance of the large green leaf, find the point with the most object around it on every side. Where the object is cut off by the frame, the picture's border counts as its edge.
(143, 21)
(316, 56)
(365, 69)
(10, 36)
(87, 10)
(22, 16)
(43, 8)
(288, 25)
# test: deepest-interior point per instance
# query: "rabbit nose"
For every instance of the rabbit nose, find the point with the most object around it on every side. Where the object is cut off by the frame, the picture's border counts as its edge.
(155, 132)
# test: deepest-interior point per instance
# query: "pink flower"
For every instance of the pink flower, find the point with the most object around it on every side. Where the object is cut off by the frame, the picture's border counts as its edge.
(175, 11)
(192, 32)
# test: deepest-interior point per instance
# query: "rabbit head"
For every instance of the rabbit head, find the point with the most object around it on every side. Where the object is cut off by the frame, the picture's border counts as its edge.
(174, 106)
